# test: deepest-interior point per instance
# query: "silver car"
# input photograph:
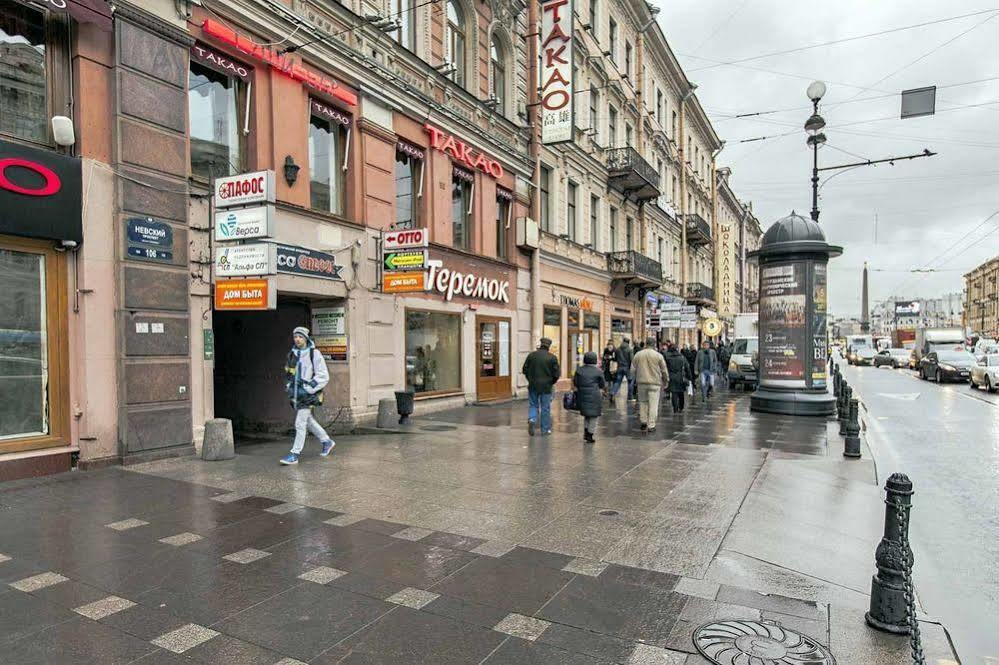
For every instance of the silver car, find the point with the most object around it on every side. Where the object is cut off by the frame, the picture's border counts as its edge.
(986, 373)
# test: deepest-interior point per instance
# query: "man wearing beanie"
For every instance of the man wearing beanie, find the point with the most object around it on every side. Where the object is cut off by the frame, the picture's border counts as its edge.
(307, 376)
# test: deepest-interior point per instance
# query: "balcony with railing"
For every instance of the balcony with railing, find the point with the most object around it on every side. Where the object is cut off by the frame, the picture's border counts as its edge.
(634, 270)
(698, 230)
(630, 174)
(698, 293)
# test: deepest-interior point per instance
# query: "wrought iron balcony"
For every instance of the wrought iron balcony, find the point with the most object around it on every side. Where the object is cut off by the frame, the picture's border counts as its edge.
(698, 230)
(700, 293)
(630, 174)
(635, 270)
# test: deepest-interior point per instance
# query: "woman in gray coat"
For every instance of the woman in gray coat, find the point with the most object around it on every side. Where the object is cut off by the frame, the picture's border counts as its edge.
(589, 384)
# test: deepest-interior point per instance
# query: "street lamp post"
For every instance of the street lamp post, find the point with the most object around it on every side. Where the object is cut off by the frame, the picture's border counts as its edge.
(816, 90)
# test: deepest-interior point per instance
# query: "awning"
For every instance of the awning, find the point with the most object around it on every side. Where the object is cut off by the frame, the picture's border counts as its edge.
(97, 12)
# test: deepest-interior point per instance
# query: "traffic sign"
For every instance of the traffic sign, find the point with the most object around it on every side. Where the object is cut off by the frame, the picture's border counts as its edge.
(405, 239)
(414, 259)
(403, 282)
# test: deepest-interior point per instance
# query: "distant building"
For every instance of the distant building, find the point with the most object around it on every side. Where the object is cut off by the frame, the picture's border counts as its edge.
(982, 298)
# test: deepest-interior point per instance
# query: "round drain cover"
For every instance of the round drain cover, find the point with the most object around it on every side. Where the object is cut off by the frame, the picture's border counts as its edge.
(743, 641)
(438, 428)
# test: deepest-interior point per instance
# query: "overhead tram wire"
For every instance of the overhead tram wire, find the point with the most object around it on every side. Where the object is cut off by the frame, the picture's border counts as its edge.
(844, 40)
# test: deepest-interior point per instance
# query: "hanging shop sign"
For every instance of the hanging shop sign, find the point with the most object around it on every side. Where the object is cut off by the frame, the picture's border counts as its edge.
(40, 194)
(308, 262)
(245, 188)
(454, 283)
(246, 294)
(462, 152)
(557, 94)
(147, 239)
(220, 61)
(282, 62)
(329, 332)
(403, 282)
(413, 259)
(404, 239)
(327, 112)
(244, 260)
(244, 223)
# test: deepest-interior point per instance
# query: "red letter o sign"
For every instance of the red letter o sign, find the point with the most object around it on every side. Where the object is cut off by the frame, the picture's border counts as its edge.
(52, 182)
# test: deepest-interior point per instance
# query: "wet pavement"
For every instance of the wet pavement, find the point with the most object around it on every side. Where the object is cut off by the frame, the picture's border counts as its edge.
(946, 438)
(462, 541)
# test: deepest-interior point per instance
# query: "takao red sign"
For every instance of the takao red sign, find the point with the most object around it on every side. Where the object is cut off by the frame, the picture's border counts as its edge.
(462, 152)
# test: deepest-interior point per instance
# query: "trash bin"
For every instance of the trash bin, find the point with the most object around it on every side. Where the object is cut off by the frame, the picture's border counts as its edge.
(404, 404)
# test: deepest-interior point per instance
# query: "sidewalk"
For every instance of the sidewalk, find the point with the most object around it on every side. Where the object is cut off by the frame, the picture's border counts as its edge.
(465, 541)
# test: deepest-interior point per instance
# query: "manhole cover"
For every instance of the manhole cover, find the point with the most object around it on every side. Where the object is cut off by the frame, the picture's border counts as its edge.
(608, 512)
(438, 428)
(742, 641)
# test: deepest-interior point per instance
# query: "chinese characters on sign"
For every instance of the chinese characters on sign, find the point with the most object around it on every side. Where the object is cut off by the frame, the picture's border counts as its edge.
(783, 342)
(557, 93)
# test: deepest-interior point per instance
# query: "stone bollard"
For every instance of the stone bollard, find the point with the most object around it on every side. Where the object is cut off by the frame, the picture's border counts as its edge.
(851, 445)
(386, 413)
(844, 407)
(892, 583)
(218, 443)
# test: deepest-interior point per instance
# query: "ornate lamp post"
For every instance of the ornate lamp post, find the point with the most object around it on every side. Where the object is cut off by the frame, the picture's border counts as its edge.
(816, 90)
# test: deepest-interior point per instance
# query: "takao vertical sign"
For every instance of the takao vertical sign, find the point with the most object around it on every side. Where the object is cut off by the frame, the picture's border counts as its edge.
(557, 94)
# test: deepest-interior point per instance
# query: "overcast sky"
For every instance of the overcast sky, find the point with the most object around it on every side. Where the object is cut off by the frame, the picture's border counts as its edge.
(923, 206)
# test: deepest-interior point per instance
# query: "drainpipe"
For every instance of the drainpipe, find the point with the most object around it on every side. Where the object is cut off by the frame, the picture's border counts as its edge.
(682, 153)
(533, 101)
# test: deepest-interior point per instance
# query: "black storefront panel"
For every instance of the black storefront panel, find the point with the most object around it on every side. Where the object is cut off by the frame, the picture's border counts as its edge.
(40, 194)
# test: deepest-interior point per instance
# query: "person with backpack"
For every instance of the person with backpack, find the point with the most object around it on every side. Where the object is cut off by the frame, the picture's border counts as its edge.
(542, 371)
(307, 377)
(589, 384)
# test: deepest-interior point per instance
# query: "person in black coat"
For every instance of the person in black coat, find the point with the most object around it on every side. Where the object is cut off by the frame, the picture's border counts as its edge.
(609, 358)
(589, 384)
(680, 375)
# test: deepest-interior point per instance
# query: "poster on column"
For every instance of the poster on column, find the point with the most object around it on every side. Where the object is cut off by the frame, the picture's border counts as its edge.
(329, 332)
(783, 329)
(819, 341)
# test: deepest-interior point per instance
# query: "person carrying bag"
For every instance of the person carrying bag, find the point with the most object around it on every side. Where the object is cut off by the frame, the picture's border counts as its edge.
(307, 377)
(589, 384)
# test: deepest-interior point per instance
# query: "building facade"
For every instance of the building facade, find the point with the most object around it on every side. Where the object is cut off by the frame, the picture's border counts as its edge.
(241, 170)
(981, 299)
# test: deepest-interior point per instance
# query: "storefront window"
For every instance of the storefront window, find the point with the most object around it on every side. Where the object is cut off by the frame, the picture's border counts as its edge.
(503, 200)
(408, 186)
(433, 351)
(327, 144)
(461, 208)
(212, 101)
(24, 381)
(620, 328)
(23, 85)
(552, 329)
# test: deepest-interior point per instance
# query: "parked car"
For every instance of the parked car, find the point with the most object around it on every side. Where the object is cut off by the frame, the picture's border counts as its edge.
(947, 366)
(893, 358)
(985, 347)
(986, 373)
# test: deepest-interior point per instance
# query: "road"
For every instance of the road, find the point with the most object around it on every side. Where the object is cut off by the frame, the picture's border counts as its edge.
(946, 438)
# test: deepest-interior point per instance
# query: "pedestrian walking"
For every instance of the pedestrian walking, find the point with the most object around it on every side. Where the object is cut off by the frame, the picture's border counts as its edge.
(650, 375)
(680, 376)
(609, 362)
(542, 372)
(589, 383)
(704, 367)
(623, 357)
(689, 354)
(724, 353)
(307, 376)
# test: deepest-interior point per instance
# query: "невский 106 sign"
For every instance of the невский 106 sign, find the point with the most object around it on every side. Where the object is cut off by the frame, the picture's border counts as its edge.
(557, 94)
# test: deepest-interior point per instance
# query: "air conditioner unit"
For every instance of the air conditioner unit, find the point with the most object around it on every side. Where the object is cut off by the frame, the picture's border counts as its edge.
(528, 236)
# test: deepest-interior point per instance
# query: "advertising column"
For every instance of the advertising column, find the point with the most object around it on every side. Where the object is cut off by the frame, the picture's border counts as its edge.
(783, 341)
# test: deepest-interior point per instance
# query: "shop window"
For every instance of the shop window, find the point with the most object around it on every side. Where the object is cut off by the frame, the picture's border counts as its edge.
(24, 74)
(552, 328)
(213, 102)
(504, 200)
(546, 202)
(462, 195)
(408, 186)
(594, 222)
(433, 351)
(620, 329)
(455, 41)
(327, 162)
(497, 57)
(570, 210)
(24, 364)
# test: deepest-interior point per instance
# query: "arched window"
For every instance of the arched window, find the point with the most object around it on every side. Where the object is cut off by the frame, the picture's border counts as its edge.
(497, 57)
(455, 38)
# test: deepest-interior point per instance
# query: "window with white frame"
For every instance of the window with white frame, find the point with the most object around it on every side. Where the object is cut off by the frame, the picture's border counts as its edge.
(455, 41)
(497, 59)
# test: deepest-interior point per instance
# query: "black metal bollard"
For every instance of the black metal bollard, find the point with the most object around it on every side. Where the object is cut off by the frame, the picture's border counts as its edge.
(851, 446)
(889, 603)
(845, 395)
(836, 382)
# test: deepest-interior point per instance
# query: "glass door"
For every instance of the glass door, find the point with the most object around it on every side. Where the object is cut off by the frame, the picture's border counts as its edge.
(24, 362)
